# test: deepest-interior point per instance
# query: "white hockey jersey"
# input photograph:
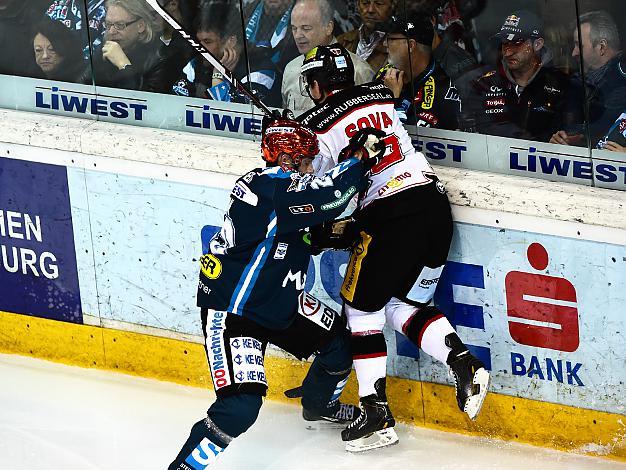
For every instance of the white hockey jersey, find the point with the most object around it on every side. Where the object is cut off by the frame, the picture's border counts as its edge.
(368, 105)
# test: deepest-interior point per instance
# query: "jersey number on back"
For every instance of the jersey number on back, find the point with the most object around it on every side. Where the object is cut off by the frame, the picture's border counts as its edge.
(393, 155)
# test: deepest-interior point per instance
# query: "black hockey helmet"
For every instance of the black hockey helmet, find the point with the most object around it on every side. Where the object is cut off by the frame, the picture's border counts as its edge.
(330, 65)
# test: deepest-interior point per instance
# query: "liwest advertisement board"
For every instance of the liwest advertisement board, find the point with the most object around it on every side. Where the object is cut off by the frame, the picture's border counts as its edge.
(451, 148)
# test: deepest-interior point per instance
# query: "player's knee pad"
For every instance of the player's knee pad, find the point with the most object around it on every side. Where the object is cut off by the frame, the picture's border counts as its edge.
(417, 324)
(362, 322)
(234, 414)
(399, 314)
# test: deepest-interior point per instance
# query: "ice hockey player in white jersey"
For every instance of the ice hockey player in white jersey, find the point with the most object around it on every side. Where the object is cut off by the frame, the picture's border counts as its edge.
(404, 224)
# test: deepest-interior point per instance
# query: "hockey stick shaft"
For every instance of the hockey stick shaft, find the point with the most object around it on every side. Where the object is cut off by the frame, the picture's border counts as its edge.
(217, 65)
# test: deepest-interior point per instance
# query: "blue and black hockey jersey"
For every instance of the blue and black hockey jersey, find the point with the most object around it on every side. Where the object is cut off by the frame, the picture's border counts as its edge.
(256, 265)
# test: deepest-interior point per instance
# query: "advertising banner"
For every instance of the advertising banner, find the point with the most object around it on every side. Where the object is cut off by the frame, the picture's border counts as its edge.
(442, 147)
(38, 274)
(543, 312)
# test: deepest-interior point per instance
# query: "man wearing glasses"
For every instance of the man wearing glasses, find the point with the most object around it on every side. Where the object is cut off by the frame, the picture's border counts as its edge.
(523, 96)
(425, 96)
(130, 54)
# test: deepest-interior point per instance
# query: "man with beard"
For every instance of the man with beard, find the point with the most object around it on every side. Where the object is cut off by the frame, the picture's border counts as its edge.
(605, 82)
(523, 97)
(366, 41)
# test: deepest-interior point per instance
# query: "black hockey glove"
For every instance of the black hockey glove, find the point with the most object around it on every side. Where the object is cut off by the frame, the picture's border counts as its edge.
(337, 234)
(369, 141)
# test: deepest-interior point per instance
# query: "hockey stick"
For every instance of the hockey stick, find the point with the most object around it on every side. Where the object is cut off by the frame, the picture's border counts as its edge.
(210, 57)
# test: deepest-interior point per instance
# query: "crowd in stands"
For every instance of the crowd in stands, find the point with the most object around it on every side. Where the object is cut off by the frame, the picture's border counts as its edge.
(562, 83)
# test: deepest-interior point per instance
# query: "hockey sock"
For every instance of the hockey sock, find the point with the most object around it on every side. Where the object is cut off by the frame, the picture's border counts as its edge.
(369, 352)
(203, 447)
(428, 330)
(322, 387)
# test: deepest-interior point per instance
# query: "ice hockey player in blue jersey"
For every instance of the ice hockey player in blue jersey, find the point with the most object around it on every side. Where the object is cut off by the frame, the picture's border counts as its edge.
(251, 285)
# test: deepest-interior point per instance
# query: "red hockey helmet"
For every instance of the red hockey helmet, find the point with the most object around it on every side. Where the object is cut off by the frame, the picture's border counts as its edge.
(286, 136)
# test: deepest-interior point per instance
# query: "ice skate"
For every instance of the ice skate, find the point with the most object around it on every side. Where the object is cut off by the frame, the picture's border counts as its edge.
(373, 428)
(471, 382)
(337, 416)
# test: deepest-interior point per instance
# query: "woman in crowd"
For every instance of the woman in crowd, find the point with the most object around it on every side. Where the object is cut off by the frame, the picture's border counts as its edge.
(58, 52)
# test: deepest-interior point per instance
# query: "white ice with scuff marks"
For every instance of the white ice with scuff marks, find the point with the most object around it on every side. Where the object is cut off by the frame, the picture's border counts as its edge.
(66, 418)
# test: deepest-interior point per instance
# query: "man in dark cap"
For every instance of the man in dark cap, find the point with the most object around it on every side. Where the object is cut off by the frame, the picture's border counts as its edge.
(523, 96)
(425, 95)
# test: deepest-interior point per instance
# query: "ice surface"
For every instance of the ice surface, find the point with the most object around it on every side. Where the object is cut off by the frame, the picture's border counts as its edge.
(56, 417)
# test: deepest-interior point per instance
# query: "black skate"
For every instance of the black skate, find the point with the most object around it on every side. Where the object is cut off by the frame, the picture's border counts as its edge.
(337, 416)
(471, 379)
(373, 428)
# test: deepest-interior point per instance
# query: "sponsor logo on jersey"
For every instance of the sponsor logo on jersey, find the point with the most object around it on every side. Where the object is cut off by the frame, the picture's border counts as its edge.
(204, 455)
(244, 194)
(210, 266)
(488, 74)
(248, 177)
(299, 279)
(452, 94)
(341, 62)
(429, 93)
(316, 311)
(496, 102)
(248, 362)
(494, 111)
(341, 201)
(512, 20)
(394, 183)
(309, 305)
(551, 89)
(429, 282)
(304, 209)
(215, 347)
(281, 251)
(429, 119)
(353, 270)
(202, 287)
(440, 187)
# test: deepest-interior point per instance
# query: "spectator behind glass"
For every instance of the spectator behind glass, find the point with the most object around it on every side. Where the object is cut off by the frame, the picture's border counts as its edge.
(16, 47)
(269, 42)
(523, 96)
(312, 25)
(130, 57)
(365, 41)
(71, 12)
(58, 52)
(425, 95)
(605, 83)
(450, 46)
(198, 77)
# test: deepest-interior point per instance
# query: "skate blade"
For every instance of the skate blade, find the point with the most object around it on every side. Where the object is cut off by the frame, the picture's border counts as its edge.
(474, 403)
(383, 438)
(324, 425)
